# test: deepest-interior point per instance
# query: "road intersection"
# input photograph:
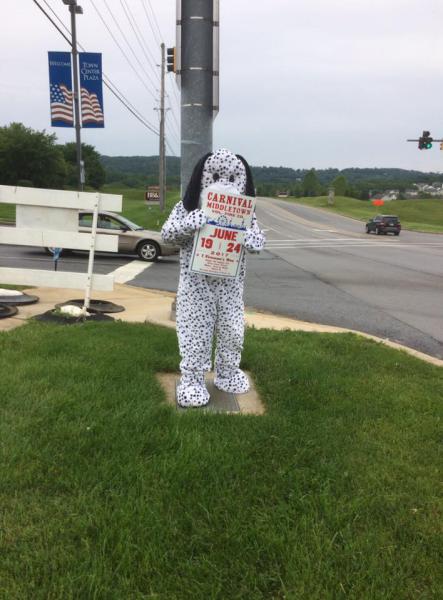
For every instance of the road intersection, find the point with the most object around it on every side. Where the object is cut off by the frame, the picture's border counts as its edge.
(317, 267)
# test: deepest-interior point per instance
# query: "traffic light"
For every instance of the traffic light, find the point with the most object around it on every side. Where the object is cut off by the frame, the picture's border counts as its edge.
(425, 141)
(171, 60)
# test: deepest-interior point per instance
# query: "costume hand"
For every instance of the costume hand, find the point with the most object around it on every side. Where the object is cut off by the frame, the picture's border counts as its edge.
(195, 220)
(254, 240)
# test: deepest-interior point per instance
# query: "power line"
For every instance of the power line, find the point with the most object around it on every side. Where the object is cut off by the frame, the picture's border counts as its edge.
(173, 114)
(138, 34)
(157, 40)
(155, 19)
(109, 84)
(129, 44)
(121, 49)
(172, 132)
(55, 24)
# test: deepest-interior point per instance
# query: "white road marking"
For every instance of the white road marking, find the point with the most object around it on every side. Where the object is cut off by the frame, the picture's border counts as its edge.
(362, 244)
(130, 271)
(317, 240)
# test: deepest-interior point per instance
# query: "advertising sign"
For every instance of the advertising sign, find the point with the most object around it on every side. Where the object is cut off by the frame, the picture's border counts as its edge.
(91, 89)
(218, 245)
(60, 89)
(152, 195)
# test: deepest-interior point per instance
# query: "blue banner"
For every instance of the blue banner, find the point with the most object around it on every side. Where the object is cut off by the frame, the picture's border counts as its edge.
(60, 89)
(91, 89)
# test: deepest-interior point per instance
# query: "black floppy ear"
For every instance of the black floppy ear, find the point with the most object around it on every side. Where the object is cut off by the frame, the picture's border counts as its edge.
(192, 194)
(250, 188)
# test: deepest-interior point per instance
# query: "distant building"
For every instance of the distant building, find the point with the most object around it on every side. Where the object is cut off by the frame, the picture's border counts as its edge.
(386, 196)
(435, 190)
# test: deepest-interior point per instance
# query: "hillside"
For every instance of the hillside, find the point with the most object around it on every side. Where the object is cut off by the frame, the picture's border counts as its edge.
(144, 169)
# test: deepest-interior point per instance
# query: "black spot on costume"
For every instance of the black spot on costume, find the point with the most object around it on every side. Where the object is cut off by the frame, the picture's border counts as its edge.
(210, 305)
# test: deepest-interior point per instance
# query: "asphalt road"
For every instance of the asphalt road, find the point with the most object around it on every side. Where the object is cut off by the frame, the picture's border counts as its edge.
(317, 267)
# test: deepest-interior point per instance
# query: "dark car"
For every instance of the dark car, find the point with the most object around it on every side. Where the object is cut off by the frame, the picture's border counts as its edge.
(132, 238)
(384, 224)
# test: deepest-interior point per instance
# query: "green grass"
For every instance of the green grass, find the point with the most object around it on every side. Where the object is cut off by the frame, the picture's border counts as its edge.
(134, 207)
(108, 493)
(420, 215)
(7, 213)
(19, 288)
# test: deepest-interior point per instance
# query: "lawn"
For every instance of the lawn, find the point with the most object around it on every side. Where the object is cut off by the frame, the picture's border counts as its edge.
(108, 493)
(134, 207)
(420, 215)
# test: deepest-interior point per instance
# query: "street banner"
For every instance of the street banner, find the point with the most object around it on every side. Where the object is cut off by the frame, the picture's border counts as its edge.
(91, 89)
(60, 89)
(218, 245)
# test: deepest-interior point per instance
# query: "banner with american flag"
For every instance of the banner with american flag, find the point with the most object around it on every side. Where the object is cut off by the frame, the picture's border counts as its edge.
(60, 89)
(91, 89)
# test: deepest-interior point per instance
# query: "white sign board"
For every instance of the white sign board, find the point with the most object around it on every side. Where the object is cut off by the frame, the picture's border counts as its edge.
(49, 218)
(218, 245)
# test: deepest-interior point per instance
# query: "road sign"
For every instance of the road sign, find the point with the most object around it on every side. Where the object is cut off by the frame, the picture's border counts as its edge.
(152, 195)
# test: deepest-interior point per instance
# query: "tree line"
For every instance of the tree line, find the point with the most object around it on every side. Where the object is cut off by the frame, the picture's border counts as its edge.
(34, 159)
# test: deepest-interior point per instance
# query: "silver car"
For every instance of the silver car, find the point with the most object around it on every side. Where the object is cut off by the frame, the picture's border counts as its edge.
(132, 239)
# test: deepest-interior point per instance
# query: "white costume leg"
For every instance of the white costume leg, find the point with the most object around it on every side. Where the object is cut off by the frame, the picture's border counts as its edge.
(196, 313)
(230, 334)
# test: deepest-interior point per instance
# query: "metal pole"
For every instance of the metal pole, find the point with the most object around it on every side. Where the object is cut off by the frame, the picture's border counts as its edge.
(162, 170)
(72, 10)
(197, 18)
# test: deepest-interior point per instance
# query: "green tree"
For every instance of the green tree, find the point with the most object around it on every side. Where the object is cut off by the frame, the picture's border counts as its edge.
(341, 185)
(94, 170)
(311, 185)
(26, 154)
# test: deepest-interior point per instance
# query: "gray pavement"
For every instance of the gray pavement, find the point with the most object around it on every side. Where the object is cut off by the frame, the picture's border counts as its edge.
(318, 268)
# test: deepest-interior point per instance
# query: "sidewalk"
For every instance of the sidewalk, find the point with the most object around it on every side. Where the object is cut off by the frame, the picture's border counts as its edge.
(154, 306)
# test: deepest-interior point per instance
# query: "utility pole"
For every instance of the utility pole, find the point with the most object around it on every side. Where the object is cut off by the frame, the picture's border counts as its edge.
(162, 157)
(196, 19)
(75, 9)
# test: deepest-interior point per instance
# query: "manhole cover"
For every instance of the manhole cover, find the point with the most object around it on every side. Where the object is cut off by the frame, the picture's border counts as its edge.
(7, 311)
(51, 317)
(96, 306)
(18, 300)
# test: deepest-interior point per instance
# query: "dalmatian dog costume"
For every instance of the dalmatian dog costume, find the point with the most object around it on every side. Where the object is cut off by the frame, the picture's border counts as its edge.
(209, 305)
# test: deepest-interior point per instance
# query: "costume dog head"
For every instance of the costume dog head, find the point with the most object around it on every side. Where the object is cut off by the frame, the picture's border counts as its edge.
(221, 167)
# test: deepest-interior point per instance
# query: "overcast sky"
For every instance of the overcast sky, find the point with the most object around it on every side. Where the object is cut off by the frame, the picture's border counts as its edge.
(305, 83)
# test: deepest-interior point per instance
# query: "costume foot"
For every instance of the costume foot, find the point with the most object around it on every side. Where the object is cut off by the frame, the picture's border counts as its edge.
(236, 383)
(192, 396)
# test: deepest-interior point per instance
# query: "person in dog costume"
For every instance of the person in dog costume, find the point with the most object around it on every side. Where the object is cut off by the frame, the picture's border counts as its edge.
(206, 304)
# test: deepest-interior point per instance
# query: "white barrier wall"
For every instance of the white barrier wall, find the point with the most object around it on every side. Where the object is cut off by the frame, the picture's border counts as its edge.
(50, 218)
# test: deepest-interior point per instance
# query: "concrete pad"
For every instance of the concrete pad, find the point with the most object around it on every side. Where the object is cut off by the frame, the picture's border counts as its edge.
(141, 305)
(220, 402)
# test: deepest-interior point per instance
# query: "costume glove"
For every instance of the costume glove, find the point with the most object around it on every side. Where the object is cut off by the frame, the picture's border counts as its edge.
(254, 240)
(195, 220)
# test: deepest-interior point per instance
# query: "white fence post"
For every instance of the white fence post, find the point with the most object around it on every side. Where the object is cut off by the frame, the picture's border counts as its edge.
(48, 218)
(91, 254)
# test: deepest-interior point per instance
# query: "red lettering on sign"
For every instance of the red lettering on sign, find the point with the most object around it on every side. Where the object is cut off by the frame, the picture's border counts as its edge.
(224, 234)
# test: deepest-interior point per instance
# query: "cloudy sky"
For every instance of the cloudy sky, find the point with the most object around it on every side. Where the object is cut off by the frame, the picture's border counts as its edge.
(306, 83)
